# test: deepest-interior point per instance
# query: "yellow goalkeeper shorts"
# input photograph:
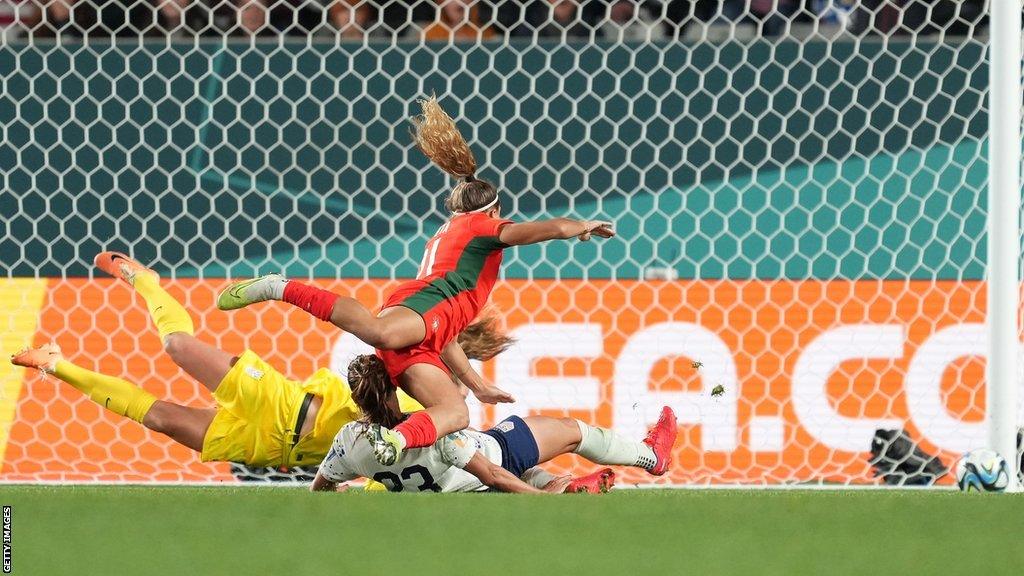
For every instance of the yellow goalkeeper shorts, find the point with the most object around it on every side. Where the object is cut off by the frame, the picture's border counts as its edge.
(257, 409)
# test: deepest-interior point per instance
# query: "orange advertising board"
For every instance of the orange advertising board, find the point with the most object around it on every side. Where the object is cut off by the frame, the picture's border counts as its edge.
(807, 371)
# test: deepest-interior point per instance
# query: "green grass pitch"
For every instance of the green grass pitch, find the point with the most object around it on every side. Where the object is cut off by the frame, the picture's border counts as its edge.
(112, 530)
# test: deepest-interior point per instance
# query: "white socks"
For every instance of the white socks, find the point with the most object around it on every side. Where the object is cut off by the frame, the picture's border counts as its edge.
(277, 288)
(537, 477)
(402, 440)
(603, 446)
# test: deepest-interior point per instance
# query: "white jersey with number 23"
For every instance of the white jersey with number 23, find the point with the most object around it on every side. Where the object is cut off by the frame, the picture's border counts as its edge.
(436, 468)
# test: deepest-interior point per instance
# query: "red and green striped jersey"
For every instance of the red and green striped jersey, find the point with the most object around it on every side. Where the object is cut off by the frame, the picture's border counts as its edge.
(460, 266)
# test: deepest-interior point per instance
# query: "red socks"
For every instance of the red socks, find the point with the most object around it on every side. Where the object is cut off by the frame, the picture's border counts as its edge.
(316, 301)
(418, 430)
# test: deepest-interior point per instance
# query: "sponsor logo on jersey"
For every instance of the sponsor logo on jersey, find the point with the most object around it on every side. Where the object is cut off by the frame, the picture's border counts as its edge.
(435, 323)
(506, 426)
(254, 373)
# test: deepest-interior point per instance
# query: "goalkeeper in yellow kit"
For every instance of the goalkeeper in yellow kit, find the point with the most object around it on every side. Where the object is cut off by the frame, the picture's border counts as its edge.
(262, 418)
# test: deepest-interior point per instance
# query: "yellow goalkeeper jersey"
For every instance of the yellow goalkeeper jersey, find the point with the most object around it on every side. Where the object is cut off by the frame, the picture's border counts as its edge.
(257, 409)
(337, 409)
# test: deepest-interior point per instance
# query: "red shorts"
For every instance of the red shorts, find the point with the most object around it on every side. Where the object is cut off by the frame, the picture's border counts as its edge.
(439, 332)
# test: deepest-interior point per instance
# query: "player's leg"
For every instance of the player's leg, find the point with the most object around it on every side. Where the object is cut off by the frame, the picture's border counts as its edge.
(440, 396)
(118, 396)
(445, 412)
(167, 313)
(555, 436)
(396, 328)
(206, 364)
(183, 424)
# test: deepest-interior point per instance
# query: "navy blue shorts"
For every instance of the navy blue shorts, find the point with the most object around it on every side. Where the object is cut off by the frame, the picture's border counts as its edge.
(519, 450)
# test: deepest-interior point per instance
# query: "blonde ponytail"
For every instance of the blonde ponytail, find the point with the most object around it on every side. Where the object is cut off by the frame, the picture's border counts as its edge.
(438, 137)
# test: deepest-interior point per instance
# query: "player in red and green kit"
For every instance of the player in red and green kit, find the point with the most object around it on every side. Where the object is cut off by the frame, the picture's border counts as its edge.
(415, 333)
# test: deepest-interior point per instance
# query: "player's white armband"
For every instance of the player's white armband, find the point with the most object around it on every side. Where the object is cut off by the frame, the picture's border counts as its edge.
(458, 449)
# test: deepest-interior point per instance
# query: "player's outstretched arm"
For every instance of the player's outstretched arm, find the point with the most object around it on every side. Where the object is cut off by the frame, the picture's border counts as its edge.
(455, 358)
(333, 471)
(522, 233)
(494, 476)
(322, 484)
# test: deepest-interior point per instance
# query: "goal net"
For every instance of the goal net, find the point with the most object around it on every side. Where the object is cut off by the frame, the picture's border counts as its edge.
(798, 189)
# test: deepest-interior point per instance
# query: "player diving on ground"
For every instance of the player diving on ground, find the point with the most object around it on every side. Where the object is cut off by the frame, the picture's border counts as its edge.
(468, 460)
(262, 418)
(415, 332)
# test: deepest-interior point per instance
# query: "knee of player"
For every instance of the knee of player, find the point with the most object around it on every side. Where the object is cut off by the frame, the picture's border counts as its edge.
(571, 431)
(460, 415)
(175, 346)
(571, 425)
(155, 420)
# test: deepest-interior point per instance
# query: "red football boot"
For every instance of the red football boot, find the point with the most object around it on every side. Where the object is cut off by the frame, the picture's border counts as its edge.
(597, 483)
(661, 438)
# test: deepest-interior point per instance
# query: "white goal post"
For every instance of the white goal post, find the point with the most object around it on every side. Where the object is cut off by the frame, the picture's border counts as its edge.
(1004, 260)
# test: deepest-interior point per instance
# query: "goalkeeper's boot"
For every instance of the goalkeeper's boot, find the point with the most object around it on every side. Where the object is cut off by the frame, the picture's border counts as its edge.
(599, 482)
(241, 294)
(661, 438)
(44, 358)
(387, 448)
(122, 266)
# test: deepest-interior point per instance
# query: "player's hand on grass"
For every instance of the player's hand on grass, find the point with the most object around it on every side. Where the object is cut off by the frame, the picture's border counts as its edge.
(493, 395)
(598, 228)
(558, 484)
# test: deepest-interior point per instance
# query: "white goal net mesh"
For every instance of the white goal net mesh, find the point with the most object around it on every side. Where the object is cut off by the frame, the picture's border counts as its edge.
(798, 187)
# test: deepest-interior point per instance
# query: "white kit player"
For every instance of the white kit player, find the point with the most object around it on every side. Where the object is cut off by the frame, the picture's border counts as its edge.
(502, 458)
(465, 461)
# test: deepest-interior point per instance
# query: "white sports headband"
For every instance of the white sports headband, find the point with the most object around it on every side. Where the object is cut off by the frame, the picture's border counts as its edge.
(483, 208)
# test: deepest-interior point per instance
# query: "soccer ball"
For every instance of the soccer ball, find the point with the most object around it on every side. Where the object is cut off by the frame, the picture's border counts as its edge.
(983, 470)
